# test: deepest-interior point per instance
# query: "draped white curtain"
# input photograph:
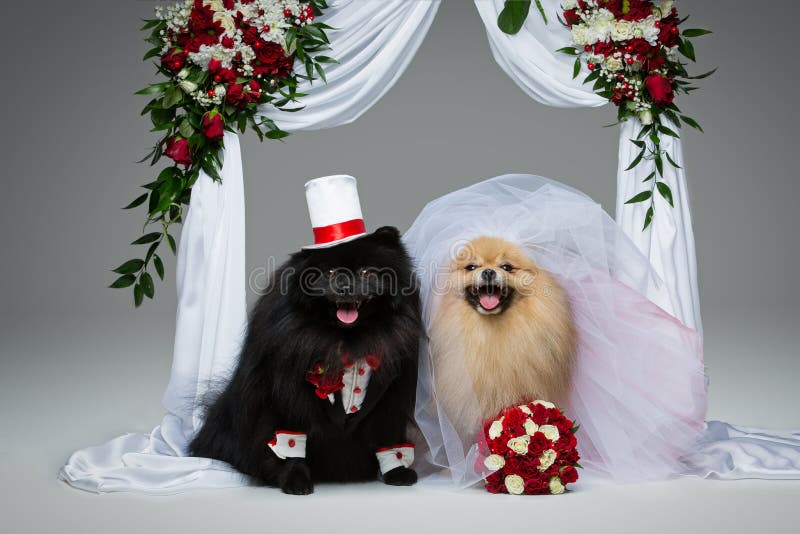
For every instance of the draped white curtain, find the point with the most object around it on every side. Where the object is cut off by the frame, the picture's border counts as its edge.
(374, 41)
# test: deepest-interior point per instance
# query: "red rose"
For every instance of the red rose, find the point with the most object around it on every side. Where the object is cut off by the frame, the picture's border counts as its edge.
(654, 63)
(179, 151)
(660, 89)
(604, 48)
(213, 126)
(495, 483)
(236, 95)
(271, 60)
(214, 65)
(571, 17)
(255, 95)
(173, 61)
(669, 34)
(569, 475)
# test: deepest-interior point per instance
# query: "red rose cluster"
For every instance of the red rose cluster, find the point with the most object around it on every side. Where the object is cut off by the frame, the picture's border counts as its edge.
(636, 48)
(252, 61)
(530, 450)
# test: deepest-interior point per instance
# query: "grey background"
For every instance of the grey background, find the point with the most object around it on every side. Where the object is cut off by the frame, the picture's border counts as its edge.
(78, 365)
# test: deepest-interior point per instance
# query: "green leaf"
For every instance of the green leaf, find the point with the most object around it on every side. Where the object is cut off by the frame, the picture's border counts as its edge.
(153, 52)
(138, 202)
(153, 89)
(672, 161)
(695, 32)
(641, 197)
(649, 177)
(159, 265)
(666, 192)
(667, 131)
(636, 160)
(147, 285)
(541, 10)
(691, 122)
(149, 23)
(648, 218)
(704, 75)
(129, 267)
(659, 164)
(513, 16)
(123, 281)
(276, 134)
(173, 97)
(576, 69)
(185, 129)
(171, 242)
(640, 144)
(687, 49)
(571, 50)
(138, 295)
(147, 238)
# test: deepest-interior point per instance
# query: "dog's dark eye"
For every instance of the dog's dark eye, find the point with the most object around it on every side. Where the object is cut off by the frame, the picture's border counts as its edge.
(471, 267)
(507, 267)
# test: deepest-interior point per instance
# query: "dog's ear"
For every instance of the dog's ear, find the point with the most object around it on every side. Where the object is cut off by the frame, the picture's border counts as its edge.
(388, 234)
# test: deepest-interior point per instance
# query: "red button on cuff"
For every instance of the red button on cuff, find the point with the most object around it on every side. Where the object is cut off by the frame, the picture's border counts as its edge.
(291, 443)
(399, 455)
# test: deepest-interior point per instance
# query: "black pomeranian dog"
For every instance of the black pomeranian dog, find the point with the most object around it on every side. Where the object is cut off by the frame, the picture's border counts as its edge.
(332, 316)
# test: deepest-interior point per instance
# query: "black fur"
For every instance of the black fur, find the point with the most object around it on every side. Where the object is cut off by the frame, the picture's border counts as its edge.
(293, 326)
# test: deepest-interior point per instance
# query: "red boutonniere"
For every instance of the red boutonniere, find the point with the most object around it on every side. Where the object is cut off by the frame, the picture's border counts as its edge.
(326, 381)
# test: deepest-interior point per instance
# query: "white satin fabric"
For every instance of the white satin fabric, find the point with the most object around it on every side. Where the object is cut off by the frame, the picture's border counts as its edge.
(374, 41)
(531, 60)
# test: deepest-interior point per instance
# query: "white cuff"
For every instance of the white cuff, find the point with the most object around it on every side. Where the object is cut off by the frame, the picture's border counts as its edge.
(288, 444)
(401, 455)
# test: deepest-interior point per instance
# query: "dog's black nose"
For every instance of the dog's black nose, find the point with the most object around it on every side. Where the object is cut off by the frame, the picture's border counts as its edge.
(489, 275)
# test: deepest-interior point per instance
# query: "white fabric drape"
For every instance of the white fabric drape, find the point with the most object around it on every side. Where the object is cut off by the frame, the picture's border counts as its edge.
(374, 41)
(531, 60)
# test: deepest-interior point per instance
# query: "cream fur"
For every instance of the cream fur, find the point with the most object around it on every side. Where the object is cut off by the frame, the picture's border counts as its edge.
(526, 352)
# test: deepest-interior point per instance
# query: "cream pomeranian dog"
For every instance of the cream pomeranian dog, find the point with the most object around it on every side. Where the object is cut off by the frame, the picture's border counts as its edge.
(509, 323)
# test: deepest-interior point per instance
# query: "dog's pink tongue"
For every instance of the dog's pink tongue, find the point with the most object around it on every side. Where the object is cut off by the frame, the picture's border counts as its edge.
(489, 301)
(347, 315)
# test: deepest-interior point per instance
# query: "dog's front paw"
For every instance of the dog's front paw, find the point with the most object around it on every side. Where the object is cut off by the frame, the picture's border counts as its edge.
(400, 476)
(296, 479)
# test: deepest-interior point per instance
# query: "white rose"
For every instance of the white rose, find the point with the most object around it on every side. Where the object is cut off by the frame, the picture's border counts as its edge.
(494, 462)
(515, 485)
(544, 403)
(581, 35)
(646, 117)
(530, 427)
(569, 4)
(220, 91)
(622, 30)
(215, 5)
(666, 7)
(183, 74)
(524, 409)
(546, 459)
(496, 429)
(520, 444)
(550, 432)
(649, 31)
(613, 64)
(226, 21)
(556, 487)
(187, 86)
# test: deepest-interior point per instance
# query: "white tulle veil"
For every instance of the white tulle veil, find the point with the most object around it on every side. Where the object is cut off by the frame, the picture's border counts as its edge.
(638, 393)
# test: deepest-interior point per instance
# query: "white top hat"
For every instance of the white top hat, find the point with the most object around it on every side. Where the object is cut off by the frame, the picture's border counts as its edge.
(335, 210)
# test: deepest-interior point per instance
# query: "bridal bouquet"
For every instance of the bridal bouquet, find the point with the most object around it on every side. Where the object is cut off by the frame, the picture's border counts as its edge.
(223, 60)
(633, 49)
(531, 450)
